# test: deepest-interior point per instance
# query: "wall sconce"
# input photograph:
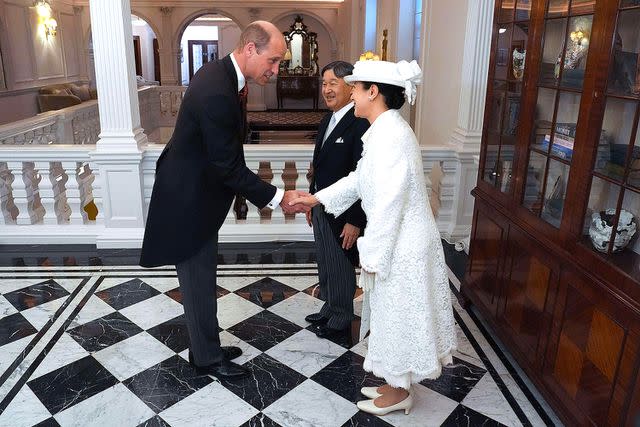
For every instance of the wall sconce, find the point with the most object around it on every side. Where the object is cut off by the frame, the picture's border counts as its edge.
(287, 55)
(369, 56)
(48, 24)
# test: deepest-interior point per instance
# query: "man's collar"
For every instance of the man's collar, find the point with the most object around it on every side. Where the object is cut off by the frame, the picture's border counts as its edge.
(341, 112)
(241, 79)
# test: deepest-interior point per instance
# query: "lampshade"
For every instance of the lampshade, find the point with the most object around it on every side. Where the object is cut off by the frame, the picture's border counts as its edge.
(287, 55)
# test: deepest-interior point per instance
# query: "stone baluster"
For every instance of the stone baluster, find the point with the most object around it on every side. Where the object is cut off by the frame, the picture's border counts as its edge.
(47, 196)
(7, 204)
(253, 213)
(19, 193)
(277, 168)
(73, 192)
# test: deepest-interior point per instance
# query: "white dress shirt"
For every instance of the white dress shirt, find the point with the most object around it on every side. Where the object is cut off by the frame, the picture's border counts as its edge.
(335, 119)
(241, 82)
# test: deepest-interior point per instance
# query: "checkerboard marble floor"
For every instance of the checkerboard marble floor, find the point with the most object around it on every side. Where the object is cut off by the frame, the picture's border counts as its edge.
(107, 346)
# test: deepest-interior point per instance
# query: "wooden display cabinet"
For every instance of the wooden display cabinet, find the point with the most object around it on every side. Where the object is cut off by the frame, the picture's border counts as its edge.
(559, 171)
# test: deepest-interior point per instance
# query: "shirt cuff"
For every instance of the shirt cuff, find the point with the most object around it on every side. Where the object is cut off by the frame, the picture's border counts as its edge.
(276, 199)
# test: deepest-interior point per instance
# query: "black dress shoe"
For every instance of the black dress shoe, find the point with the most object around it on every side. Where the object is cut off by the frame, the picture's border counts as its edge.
(225, 369)
(316, 319)
(323, 331)
(230, 353)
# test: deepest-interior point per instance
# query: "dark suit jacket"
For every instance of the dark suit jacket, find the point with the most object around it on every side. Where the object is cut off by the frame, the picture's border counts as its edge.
(200, 170)
(334, 161)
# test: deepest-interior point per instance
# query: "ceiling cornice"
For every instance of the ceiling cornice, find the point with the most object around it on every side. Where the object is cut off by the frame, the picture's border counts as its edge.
(316, 4)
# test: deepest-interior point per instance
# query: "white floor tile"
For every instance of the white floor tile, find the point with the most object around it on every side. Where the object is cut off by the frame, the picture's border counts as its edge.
(212, 405)
(133, 355)
(297, 307)
(116, 406)
(153, 311)
(24, 410)
(487, 399)
(311, 405)
(233, 309)
(305, 352)
(64, 352)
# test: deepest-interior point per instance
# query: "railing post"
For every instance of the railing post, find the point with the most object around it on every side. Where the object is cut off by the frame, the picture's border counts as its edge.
(47, 196)
(73, 192)
(20, 197)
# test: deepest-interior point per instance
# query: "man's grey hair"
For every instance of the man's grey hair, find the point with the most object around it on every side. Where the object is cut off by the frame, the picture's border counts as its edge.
(340, 68)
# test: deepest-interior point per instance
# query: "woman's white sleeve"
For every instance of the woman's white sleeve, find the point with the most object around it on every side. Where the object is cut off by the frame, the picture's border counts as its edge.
(390, 194)
(339, 197)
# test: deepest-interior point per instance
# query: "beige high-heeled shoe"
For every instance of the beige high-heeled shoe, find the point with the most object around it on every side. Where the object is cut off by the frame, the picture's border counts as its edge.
(370, 392)
(369, 407)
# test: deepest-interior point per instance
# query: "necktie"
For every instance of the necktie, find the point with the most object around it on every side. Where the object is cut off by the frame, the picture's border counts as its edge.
(242, 96)
(332, 125)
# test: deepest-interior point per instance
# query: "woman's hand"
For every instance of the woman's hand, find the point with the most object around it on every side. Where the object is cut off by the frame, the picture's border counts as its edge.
(309, 201)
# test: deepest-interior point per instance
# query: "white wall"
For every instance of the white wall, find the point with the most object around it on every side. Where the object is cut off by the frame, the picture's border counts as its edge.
(446, 23)
(146, 34)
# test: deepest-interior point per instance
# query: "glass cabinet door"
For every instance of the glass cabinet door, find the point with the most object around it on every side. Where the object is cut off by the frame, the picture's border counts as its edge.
(565, 49)
(510, 48)
(614, 198)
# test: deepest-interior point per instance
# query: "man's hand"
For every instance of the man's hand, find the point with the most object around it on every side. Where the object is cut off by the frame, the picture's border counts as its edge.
(308, 215)
(289, 207)
(349, 235)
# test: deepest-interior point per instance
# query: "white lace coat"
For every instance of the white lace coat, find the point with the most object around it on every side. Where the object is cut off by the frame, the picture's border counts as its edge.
(412, 327)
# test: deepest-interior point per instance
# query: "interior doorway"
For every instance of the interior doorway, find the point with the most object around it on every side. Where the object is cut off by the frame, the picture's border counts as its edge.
(201, 52)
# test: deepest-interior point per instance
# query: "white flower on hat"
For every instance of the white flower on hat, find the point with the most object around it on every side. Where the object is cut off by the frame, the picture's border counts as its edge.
(411, 73)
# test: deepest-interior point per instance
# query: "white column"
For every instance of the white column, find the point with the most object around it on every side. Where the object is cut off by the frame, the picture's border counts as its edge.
(467, 135)
(475, 67)
(117, 155)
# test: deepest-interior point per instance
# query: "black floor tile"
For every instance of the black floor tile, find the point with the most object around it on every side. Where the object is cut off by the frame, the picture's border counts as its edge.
(72, 384)
(467, 417)
(362, 419)
(127, 293)
(14, 327)
(345, 376)
(154, 422)
(456, 260)
(268, 382)
(260, 420)
(172, 333)
(457, 380)
(166, 383)
(266, 292)
(103, 332)
(264, 330)
(34, 295)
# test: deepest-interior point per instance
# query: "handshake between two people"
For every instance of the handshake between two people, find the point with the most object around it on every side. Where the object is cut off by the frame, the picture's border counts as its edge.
(296, 201)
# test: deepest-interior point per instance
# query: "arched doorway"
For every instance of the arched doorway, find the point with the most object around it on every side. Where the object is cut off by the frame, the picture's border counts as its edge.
(145, 49)
(206, 37)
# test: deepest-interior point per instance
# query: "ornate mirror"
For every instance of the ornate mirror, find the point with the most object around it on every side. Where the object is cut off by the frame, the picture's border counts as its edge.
(302, 55)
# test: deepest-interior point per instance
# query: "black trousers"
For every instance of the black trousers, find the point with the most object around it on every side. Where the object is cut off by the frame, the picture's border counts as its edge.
(336, 273)
(197, 278)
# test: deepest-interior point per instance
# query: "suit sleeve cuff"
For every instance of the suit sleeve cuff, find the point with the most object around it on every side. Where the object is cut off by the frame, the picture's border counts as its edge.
(276, 199)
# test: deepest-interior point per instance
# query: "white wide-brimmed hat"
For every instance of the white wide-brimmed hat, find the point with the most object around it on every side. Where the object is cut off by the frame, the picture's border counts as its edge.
(404, 74)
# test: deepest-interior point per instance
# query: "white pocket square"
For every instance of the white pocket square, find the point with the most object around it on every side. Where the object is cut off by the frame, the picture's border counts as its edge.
(340, 141)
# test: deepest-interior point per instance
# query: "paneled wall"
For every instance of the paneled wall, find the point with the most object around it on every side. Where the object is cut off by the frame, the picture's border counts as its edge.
(31, 59)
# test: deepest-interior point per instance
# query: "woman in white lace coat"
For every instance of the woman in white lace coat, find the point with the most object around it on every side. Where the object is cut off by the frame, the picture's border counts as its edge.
(403, 270)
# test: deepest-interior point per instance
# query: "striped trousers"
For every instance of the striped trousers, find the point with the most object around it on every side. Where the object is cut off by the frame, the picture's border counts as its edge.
(336, 273)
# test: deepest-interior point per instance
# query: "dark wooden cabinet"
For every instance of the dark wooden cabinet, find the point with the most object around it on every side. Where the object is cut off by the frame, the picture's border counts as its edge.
(558, 192)
(298, 87)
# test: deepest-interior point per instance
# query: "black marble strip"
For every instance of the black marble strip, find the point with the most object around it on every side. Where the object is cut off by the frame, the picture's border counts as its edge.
(494, 374)
(42, 331)
(23, 379)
